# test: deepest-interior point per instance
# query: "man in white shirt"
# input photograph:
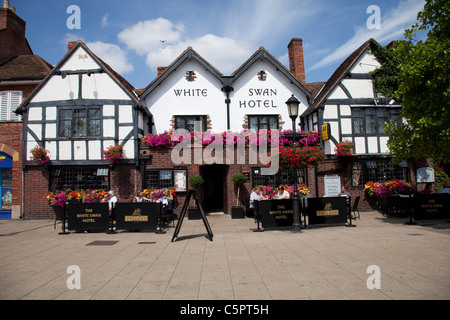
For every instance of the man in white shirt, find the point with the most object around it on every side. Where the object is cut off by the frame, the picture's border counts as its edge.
(111, 201)
(255, 196)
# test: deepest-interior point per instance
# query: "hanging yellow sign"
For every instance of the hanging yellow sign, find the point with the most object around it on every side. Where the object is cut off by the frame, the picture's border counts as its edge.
(326, 132)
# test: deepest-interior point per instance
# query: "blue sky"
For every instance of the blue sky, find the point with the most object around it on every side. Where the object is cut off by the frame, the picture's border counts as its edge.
(128, 34)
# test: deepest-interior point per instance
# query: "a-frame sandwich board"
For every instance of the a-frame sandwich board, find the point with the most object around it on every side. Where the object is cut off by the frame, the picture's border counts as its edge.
(183, 214)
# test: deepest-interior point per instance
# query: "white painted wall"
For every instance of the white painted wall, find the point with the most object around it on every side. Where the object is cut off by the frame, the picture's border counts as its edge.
(206, 98)
(274, 104)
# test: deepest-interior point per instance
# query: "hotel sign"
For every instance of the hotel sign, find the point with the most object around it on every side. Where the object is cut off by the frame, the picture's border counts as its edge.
(137, 216)
(88, 216)
(327, 210)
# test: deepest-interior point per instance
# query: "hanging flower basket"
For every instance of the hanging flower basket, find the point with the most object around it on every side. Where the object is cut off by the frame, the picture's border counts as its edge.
(300, 157)
(39, 155)
(113, 153)
(344, 149)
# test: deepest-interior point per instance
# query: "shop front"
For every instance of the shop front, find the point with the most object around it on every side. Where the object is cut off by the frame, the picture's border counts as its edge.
(5, 186)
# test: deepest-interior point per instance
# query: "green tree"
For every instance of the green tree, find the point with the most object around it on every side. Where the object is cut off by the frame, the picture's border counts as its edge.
(416, 73)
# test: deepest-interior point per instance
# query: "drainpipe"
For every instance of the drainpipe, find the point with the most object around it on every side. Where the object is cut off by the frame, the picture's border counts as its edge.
(227, 90)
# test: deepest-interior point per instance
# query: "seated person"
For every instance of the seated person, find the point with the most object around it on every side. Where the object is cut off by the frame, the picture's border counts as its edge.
(140, 197)
(282, 194)
(255, 196)
(428, 189)
(167, 199)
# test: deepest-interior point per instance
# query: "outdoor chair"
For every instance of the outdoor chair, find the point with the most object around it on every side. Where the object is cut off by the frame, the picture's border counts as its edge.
(355, 208)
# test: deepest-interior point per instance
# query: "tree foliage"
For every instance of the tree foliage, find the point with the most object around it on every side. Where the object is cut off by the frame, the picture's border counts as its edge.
(416, 73)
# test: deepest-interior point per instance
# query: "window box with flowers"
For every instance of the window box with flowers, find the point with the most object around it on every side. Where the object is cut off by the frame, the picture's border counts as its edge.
(39, 155)
(344, 149)
(113, 153)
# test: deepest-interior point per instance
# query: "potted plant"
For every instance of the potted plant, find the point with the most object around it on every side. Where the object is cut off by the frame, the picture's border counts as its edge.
(237, 212)
(195, 182)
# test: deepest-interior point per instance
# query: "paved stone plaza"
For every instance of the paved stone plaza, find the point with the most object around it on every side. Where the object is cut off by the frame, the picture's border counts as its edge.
(318, 263)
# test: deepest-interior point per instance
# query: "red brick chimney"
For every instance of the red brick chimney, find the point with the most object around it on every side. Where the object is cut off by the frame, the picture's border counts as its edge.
(12, 35)
(161, 70)
(296, 61)
(71, 45)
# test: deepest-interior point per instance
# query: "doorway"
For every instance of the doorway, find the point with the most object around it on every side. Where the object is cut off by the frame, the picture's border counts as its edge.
(213, 187)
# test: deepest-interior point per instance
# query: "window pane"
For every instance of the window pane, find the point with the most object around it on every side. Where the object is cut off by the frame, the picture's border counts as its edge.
(65, 123)
(180, 123)
(94, 122)
(357, 177)
(381, 122)
(358, 125)
(273, 123)
(253, 123)
(80, 123)
(371, 125)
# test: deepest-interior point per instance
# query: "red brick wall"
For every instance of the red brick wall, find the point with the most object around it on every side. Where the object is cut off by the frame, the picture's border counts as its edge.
(36, 189)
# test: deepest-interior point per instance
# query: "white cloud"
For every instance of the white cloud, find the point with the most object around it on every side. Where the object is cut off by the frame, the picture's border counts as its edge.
(146, 36)
(161, 41)
(113, 55)
(393, 25)
(225, 54)
(105, 21)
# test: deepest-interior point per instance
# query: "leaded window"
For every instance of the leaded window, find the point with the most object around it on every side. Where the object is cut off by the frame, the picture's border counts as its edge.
(80, 122)
(191, 123)
(159, 179)
(79, 179)
(284, 177)
(378, 171)
(264, 122)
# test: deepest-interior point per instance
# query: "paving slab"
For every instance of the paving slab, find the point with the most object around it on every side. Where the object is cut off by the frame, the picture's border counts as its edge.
(319, 263)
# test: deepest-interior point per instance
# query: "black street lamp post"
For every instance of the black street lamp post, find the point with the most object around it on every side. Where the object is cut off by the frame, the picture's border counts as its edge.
(292, 105)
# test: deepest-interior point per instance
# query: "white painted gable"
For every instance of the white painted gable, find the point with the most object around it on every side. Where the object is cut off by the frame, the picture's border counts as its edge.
(177, 96)
(95, 86)
(252, 96)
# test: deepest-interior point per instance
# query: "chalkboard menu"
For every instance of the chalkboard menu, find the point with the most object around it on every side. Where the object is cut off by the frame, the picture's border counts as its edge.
(327, 210)
(87, 216)
(276, 213)
(137, 216)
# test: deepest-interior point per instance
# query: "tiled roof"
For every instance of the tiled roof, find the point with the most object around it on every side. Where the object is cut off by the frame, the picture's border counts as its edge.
(24, 67)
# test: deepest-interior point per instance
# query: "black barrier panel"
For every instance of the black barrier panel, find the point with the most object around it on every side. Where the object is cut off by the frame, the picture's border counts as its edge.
(431, 206)
(327, 210)
(87, 216)
(137, 216)
(276, 213)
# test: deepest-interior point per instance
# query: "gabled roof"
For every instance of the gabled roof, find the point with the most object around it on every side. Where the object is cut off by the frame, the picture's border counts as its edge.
(24, 67)
(188, 54)
(124, 84)
(337, 76)
(262, 53)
